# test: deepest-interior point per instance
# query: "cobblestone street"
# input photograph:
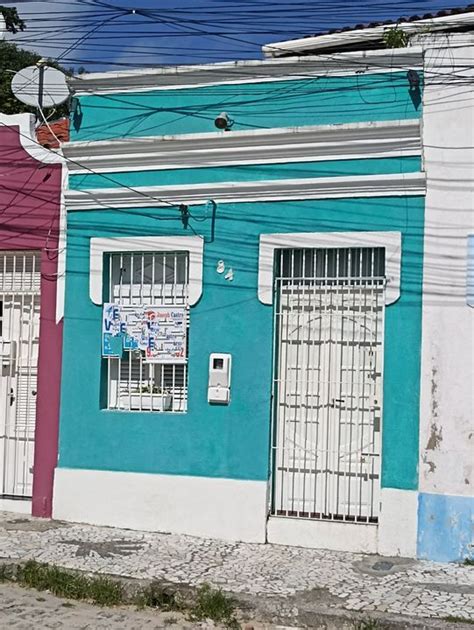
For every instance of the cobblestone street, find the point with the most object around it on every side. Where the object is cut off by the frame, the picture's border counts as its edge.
(342, 581)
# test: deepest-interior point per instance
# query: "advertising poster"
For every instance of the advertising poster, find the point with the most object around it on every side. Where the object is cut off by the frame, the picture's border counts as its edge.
(158, 331)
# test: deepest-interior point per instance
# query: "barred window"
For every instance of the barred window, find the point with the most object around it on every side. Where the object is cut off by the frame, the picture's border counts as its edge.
(152, 279)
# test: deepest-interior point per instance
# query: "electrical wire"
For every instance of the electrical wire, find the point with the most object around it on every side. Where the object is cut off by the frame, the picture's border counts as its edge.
(107, 177)
(183, 18)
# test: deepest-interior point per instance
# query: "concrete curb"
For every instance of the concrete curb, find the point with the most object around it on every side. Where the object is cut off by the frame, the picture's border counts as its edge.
(303, 610)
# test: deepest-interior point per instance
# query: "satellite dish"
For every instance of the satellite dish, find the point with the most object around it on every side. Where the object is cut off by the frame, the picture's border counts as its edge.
(40, 86)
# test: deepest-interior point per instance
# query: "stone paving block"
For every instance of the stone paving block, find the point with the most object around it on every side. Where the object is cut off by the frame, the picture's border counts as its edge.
(343, 580)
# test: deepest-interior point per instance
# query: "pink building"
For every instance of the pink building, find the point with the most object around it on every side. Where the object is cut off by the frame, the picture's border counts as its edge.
(30, 335)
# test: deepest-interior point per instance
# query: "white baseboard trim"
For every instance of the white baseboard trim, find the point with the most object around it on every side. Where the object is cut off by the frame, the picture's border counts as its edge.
(395, 534)
(20, 506)
(358, 538)
(229, 509)
(398, 523)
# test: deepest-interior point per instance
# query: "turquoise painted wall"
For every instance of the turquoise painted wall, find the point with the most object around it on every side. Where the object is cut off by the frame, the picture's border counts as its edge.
(231, 441)
(308, 101)
(296, 170)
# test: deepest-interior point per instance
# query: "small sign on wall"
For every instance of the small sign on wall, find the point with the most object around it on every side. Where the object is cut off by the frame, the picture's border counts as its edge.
(158, 331)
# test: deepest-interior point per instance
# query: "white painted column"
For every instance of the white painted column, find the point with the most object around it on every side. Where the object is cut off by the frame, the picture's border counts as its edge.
(447, 387)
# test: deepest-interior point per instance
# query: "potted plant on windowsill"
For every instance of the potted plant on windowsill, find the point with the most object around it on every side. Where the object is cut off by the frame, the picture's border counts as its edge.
(151, 397)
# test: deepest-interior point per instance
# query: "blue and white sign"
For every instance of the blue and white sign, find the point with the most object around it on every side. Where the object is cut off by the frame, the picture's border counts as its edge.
(158, 331)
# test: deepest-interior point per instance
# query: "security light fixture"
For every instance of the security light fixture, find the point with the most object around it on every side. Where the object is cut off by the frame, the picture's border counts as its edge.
(414, 89)
(223, 122)
(413, 79)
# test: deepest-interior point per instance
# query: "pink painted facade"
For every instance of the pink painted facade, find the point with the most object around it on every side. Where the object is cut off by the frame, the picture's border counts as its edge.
(30, 211)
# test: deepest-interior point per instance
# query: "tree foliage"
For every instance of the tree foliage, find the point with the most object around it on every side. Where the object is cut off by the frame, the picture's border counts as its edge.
(13, 21)
(13, 59)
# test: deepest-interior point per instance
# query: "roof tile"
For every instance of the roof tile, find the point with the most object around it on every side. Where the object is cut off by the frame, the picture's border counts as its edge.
(45, 134)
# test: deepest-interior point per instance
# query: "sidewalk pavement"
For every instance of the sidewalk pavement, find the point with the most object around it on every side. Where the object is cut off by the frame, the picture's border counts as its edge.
(282, 583)
(24, 609)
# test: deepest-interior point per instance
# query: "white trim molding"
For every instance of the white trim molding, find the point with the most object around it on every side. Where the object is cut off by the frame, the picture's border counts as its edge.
(251, 71)
(398, 184)
(390, 241)
(194, 245)
(62, 243)
(230, 509)
(315, 143)
(25, 123)
(27, 137)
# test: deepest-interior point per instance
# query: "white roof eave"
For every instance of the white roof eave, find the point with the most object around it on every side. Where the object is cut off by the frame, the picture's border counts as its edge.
(333, 40)
(271, 69)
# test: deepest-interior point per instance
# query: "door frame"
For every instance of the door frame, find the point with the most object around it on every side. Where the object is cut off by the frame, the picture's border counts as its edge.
(320, 534)
(317, 308)
(20, 293)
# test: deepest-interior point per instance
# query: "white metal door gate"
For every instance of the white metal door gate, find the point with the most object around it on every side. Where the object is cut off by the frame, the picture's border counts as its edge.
(19, 341)
(328, 383)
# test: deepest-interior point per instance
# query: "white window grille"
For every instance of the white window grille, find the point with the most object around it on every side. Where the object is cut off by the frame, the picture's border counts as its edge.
(328, 383)
(158, 278)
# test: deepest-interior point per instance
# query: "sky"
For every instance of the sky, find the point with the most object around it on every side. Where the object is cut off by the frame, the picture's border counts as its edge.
(120, 34)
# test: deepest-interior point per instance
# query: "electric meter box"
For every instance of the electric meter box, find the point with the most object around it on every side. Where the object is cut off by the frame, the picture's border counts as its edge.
(220, 368)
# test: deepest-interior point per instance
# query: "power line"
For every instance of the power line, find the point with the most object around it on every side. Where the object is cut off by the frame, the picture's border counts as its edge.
(107, 177)
(243, 14)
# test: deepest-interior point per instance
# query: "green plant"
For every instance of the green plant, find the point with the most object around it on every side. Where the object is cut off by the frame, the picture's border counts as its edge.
(99, 590)
(214, 604)
(367, 624)
(157, 596)
(469, 562)
(153, 389)
(4, 577)
(395, 38)
(208, 604)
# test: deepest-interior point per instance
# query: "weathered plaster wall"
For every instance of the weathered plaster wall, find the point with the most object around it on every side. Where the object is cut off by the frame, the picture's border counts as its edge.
(447, 398)
(30, 199)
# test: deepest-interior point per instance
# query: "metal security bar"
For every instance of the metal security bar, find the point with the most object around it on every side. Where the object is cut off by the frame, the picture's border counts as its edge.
(20, 281)
(327, 383)
(159, 278)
